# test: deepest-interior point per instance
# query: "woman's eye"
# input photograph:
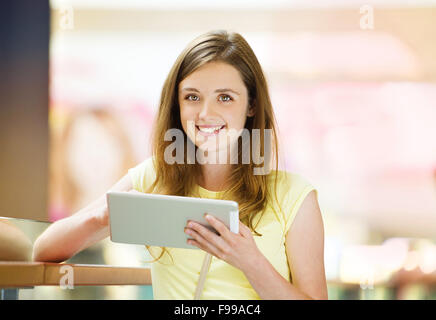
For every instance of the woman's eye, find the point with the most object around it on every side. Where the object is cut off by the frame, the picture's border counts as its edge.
(187, 97)
(226, 96)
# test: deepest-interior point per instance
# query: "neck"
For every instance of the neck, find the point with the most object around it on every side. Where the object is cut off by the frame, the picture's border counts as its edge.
(214, 176)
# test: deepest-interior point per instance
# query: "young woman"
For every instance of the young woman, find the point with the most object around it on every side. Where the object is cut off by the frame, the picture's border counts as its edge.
(217, 86)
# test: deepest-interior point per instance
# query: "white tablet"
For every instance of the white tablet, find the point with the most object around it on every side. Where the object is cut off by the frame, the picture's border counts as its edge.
(159, 220)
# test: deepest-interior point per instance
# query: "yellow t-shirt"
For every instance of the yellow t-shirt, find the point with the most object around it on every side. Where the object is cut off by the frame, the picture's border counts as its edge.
(176, 278)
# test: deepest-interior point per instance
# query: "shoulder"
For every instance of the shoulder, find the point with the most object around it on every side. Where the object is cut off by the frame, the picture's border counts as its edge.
(143, 174)
(289, 184)
(292, 190)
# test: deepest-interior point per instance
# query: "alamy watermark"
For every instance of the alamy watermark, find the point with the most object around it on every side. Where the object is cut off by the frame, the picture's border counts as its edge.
(67, 280)
(66, 19)
(367, 19)
(220, 148)
(367, 279)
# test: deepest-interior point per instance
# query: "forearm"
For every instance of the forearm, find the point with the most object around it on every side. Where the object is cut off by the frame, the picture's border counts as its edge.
(14, 244)
(271, 285)
(66, 237)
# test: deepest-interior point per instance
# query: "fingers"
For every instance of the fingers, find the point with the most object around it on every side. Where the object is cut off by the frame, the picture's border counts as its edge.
(244, 230)
(220, 227)
(198, 241)
(205, 235)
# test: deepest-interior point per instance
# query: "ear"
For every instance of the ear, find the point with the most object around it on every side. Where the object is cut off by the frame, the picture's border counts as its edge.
(251, 111)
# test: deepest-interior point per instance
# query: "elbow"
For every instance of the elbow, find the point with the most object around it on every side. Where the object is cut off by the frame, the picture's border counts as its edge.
(37, 253)
(42, 254)
(319, 296)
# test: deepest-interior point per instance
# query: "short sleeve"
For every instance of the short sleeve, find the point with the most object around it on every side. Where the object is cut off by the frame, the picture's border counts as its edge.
(143, 175)
(299, 189)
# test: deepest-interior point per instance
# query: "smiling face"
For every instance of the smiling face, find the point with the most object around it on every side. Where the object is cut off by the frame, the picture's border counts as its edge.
(213, 99)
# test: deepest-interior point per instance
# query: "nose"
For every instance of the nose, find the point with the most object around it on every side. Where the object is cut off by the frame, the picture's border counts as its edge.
(206, 110)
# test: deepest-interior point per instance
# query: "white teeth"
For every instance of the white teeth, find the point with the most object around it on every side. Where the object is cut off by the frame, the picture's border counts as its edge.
(209, 130)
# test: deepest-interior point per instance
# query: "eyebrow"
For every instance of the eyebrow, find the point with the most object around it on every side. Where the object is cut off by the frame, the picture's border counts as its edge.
(217, 90)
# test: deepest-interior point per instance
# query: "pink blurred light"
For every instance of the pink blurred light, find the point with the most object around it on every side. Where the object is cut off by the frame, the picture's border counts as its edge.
(353, 53)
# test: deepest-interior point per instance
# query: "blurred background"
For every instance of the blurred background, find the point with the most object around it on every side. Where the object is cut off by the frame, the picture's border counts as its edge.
(353, 86)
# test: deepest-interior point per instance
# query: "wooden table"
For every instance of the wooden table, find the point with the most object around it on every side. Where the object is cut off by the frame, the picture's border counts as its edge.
(16, 275)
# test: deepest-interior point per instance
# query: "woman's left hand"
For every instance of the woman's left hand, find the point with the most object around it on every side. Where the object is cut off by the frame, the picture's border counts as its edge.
(239, 250)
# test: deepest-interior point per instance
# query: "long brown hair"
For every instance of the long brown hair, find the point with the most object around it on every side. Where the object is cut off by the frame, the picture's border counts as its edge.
(248, 190)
